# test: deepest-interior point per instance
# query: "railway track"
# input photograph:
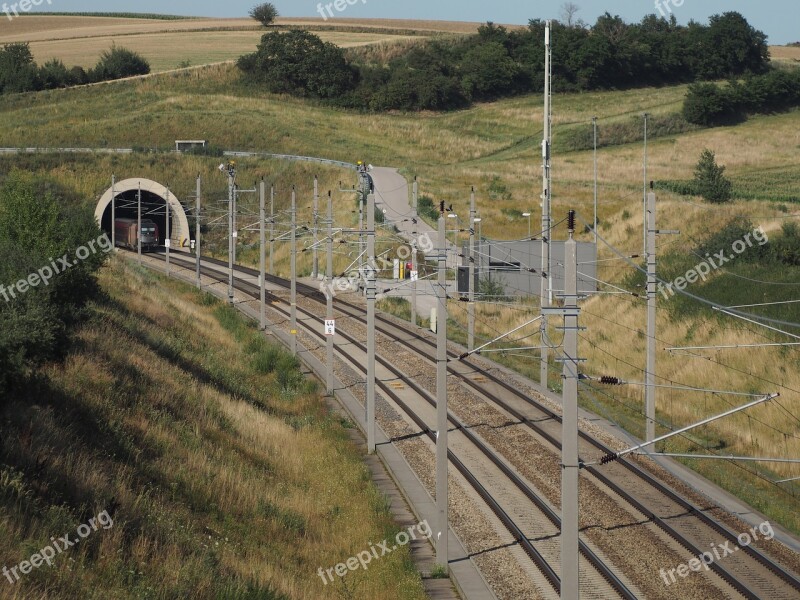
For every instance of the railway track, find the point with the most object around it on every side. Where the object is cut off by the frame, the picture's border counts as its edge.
(750, 572)
(605, 577)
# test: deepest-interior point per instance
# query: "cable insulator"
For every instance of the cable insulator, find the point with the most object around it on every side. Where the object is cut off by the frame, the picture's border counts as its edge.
(571, 221)
(609, 458)
(608, 380)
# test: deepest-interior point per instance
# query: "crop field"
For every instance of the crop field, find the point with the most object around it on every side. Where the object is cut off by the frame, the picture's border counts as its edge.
(165, 44)
(171, 50)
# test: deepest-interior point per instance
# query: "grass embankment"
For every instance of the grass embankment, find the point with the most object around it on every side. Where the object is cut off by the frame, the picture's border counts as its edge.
(90, 177)
(221, 467)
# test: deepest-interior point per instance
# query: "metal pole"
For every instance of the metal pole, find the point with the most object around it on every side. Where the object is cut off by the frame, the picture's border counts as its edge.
(644, 188)
(262, 251)
(545, 276)
(272, 230)
(616, 455)
(594, 223)
(442, 554)
(329, 283)
(197, 234)
(371, 292)
(570, 469)
(361, 233)
(168, 239)
(231, 183)
(235, 230)
(652, 281)
(139, 224)
(414, 217)
(293, 299)
(315, 259)
(471, 273)
(113, 211)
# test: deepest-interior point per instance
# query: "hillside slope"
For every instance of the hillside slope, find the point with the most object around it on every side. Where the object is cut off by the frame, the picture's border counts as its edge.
(210, 463)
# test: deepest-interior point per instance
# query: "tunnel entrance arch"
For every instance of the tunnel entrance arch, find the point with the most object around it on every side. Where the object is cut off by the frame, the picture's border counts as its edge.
(153, 205)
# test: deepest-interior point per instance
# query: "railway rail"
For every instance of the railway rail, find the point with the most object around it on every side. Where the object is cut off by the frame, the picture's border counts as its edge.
(750, 572)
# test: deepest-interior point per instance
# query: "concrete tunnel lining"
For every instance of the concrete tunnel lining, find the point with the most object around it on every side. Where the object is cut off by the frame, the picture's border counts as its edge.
(180, 233)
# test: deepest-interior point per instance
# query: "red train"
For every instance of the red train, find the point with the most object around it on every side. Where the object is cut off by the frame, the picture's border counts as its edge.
(126, 234)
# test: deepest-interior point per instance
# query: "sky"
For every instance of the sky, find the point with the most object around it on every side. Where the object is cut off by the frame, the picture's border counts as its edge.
(779, 19)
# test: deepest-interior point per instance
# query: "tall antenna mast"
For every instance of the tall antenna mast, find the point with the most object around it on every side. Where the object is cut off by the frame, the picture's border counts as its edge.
(546, 292)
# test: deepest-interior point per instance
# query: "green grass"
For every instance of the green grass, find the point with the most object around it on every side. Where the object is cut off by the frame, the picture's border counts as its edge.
(218, 461)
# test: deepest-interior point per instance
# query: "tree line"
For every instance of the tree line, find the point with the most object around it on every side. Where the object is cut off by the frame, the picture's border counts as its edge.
(20, 73)
(452, 73)
(710, 104)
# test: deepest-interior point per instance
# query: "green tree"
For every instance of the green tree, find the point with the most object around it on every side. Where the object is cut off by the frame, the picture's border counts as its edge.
(299, 63)
(710, 179)
(18, 72)
(488, 71)
(732, 47)
(264, 13)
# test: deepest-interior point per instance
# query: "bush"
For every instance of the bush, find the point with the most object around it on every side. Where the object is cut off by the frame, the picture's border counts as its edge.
(710, 180)
(426, 208)
(118, 63)
(708, 104)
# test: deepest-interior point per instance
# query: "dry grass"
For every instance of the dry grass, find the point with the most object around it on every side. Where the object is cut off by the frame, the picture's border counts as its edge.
(223, 479)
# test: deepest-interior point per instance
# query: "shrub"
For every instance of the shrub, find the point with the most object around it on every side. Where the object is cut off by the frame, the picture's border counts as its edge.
(710, 180)
(427, 208)
(117, 63)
